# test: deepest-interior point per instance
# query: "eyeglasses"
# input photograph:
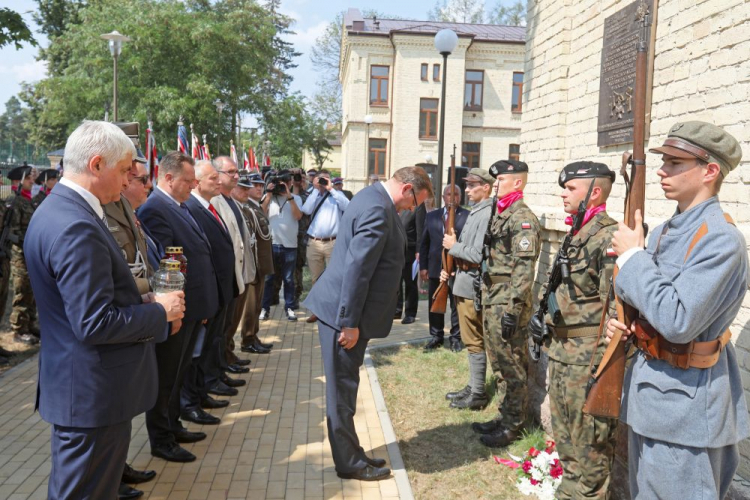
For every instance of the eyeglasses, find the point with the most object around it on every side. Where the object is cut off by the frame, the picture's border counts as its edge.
(143, 179)
(230, 173)
(414, 195)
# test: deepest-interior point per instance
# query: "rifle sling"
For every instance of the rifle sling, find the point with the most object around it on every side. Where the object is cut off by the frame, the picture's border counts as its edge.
(575, 332)
(608, 352)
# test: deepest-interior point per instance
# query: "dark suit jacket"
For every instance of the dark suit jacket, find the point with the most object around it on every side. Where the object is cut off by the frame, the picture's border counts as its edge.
(222, 250)
(168, 224)
(97, 365)
(409, 221)
(359, 286)
(430, 253)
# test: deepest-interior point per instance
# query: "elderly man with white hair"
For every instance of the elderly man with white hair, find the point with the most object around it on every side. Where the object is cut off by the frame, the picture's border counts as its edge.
(97, 367)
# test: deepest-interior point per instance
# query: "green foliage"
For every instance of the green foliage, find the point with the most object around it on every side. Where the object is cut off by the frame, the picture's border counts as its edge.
(292, 130)
(473, 11)
(513, 15)
(13, 29)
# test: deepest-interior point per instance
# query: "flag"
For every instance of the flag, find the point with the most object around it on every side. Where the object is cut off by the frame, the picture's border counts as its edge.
(206, 153)
(182, 140)
(245, 162)
(195, 145)
(253, 164)
(266, 160)
(233, 152)
(152, 162)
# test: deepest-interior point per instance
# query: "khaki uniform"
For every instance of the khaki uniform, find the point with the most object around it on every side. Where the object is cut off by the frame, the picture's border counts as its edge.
(508, 278)
(585, 443)
(131, 240)
(23, 316)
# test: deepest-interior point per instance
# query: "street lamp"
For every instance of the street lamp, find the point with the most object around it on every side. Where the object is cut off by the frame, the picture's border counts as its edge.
(115, 47)
(445, 42)
(219, 108)
(368, 122)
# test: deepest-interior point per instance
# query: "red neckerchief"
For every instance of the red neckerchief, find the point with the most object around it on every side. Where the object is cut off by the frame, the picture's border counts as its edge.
(590, 213)
(26, 194)
(508, 200)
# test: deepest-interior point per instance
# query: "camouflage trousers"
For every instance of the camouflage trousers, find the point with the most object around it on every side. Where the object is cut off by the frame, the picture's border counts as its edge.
(586, 444)
(509, 362)
(23, 316)
(4, 285)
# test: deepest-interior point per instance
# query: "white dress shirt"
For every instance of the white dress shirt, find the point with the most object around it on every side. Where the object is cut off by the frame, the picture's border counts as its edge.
(92, 200)
(326, 221)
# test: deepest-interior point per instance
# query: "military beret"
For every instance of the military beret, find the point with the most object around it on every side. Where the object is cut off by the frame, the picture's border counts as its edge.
(704, 141)
(584, 170)
(482, 175)
(508, 167)
(46, 175)
(337, 180)
(18, 173)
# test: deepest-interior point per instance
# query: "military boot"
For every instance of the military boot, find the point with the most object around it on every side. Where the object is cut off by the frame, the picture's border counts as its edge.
(474, 402)
(460, 394)
(500, 438)
(487, 427)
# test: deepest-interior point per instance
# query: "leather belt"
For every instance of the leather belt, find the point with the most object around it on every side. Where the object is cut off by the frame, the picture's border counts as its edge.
(574, 332)
(691, 355)
(676, 142)
(499, 279)
(332, 238)
(465, 266)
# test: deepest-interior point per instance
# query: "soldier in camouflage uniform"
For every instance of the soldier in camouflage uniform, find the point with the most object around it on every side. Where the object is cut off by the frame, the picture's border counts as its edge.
(4, 279)
(508, 272)
(47, 179)
(23, 316)
(585, 443)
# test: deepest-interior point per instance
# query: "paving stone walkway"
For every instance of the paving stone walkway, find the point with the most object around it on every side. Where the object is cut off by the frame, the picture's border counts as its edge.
(271, 443)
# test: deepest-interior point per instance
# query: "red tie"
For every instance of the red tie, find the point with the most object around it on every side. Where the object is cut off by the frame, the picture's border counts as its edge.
(213, 211)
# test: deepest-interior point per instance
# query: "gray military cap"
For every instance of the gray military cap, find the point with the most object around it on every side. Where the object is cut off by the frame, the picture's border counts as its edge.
(481, 175)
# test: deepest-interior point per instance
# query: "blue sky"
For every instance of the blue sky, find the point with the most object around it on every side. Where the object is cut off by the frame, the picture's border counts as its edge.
(312, 17)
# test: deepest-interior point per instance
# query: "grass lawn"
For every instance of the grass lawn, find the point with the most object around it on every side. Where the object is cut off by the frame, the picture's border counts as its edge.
(443, 456)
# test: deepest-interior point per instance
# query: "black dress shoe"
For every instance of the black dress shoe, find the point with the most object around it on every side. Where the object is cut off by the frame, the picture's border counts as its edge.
(185, 436)
(232, 382)
(198, 416)
(375, 462)
(458, 394)
(125, 492)
(222, 389)
(456, 345)
(25, 338)
(132, 476)
(369, 473)
(408, 320)
(433, 344)
(487, 427)
(235, 368)
(173, 453)
(500, 439)
(472, 402)
(397, 315)
(263, 344)
(255, 349)
(243, 362)
(210, 403)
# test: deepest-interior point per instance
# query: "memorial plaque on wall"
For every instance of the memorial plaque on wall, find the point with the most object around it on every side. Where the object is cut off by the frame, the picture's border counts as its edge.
(617, 79)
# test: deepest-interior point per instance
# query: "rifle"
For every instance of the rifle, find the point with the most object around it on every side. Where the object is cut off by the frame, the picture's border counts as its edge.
(604, 391)
(486, 249)
(6, 236)
(440, 297)
(560, 271)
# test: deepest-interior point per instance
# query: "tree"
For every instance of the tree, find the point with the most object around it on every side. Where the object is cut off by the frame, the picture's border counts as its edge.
(514, 15)
(54, 18)
(13, 121)
(319, 145)
(458, 11)
(13, 29)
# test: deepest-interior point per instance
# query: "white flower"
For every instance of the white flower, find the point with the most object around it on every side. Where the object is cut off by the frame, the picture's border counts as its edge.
(525, 486)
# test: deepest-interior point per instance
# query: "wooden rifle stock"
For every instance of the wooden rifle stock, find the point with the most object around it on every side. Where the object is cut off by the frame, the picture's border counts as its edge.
(440, 297)
(605, 392)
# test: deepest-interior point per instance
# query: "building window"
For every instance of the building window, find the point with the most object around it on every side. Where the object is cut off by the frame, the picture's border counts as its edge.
(379, 85)
(376, 157)
(470, 151)
(428, 113)
(514, 152)
(515, 105)
(435, 72)
(473, 90)
(424, 72)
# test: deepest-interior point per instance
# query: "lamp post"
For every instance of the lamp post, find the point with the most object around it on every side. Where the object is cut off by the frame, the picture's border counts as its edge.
(115, 47)
(445, 43)
(368, 122)
(219, 108)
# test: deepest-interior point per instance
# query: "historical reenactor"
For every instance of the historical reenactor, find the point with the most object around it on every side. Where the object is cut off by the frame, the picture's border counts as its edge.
(467, 253)
(507, 279)
(23, 315)
(683, 395)
(585, 443)
(47, 180)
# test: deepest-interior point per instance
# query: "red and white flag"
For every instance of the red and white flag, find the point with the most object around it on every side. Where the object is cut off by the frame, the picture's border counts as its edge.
(245, 162)
(152, 159)
(195, 146)
(233, 152)
(206, 152)
(253, 163)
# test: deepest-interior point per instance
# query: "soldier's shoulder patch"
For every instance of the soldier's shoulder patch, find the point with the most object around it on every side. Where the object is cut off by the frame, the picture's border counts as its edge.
(611, 252)
(526, 225)
(524, 244)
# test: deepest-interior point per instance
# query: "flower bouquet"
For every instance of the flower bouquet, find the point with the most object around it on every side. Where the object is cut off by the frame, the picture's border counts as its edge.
(539, 472)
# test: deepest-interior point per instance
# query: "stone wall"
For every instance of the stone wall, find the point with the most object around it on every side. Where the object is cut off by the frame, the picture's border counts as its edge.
(701, 72)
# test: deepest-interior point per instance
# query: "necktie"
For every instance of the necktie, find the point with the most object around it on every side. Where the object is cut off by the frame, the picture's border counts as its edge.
(104, 220)
(445, 220)
(216, 216)
(189, 217)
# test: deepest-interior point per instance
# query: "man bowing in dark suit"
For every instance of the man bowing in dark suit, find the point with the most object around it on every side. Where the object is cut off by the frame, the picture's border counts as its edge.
(430, 264)
(97, 367)
(355, 299)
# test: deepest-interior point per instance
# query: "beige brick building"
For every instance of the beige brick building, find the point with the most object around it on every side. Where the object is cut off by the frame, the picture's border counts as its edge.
(701, 71)
(391, 71)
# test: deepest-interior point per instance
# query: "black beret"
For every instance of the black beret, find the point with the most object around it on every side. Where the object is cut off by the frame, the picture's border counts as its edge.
(585, 170)
(18, 173)
(46, 175)
(508, 167)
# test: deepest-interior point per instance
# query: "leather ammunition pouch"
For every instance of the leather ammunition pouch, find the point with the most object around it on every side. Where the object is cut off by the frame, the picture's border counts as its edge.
(464, 265)
(692, 355)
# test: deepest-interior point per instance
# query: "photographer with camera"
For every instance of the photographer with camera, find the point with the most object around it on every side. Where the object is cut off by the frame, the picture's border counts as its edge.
(283, 215)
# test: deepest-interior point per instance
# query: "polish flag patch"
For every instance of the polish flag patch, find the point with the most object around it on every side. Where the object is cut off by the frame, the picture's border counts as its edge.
(526, 225)
(611, 252)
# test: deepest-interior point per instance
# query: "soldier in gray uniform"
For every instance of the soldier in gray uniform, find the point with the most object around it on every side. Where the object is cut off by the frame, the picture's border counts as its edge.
(683, 397)
(467, 253)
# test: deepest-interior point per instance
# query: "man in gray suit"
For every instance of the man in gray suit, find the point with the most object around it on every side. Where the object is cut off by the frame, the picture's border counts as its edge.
(354, 300)
(684, 402)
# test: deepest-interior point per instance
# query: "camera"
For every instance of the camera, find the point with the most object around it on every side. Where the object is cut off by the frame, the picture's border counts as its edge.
(278, 181)
(323, 181)
(297, 177)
